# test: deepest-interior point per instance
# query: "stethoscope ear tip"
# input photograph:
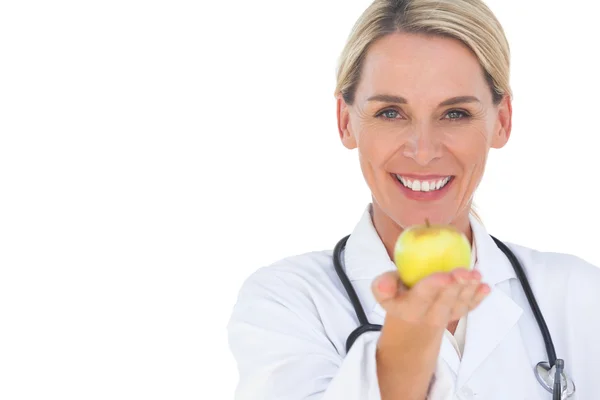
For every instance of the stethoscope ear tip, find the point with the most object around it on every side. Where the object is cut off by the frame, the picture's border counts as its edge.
(546, 377)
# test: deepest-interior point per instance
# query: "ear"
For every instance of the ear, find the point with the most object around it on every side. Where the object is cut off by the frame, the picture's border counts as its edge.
(503, 124)
(344, 125)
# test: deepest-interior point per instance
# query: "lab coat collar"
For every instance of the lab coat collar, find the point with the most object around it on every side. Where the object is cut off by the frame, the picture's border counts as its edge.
(491, 261)
(365, 255)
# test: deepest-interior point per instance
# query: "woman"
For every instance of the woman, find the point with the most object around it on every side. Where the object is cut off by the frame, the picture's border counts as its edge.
(423, 94)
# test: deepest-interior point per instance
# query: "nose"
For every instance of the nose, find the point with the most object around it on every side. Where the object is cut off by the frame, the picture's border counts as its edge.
(422, 145)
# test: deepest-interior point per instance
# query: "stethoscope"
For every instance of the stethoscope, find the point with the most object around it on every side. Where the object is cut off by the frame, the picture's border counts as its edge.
(547, 373)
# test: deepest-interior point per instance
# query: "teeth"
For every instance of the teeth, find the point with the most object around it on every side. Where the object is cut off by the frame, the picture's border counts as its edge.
(423, 186)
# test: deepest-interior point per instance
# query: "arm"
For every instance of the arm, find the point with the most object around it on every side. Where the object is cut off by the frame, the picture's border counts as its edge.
(408, 352)
(282, 354)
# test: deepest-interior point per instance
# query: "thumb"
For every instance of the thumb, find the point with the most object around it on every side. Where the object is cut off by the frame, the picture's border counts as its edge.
(385, 287)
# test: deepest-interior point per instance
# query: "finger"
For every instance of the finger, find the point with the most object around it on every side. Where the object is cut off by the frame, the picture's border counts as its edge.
(440, 311)
(386, 287)
(467, 293)
(483, 290)
(463, 275)
(426, 293)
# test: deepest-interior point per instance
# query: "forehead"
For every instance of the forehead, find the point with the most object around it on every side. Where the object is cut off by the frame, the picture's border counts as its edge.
(421, 67)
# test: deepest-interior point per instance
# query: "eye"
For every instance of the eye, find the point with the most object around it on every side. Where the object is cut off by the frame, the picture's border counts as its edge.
(455, 115)
(389, 114)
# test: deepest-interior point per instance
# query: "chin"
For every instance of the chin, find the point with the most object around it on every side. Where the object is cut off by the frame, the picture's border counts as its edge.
(419, 217)
(409, 215)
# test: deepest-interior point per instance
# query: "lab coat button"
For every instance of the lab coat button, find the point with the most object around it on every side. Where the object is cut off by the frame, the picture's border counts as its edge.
(466, 393)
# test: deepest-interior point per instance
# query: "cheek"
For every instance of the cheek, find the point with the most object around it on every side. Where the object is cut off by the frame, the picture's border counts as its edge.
(375, 148)
(471, 154)
(377, 141)
(470, 147)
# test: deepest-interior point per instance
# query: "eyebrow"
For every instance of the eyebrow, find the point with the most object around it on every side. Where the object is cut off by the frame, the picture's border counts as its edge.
(386, 98)
(459, 100)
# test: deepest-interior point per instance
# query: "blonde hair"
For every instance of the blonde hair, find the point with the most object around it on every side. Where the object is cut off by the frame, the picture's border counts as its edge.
(468, 21)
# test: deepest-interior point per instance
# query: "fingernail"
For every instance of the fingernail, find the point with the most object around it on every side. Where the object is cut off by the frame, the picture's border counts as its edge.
(383, 285)
(484, 290)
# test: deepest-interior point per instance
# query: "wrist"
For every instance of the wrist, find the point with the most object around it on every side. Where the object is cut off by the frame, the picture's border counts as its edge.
(399, 334)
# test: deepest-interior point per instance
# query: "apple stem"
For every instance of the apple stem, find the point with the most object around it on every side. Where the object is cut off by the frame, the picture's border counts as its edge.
(427, 222)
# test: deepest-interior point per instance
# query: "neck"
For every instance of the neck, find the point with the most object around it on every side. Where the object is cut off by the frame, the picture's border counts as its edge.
(388, 230)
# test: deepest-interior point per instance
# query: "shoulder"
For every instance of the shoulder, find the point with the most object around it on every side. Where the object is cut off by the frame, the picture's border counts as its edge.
(293, 272)
(558, 268)
(297, 282)
(292, 296)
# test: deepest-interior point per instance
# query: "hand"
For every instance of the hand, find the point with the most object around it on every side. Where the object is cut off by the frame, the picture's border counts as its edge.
(435, 301)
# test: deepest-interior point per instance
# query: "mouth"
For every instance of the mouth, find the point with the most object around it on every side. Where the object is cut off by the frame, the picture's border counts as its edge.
(425, 188)
(424, 185)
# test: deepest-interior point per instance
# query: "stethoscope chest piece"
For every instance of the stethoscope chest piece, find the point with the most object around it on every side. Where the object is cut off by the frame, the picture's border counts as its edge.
(545, 376)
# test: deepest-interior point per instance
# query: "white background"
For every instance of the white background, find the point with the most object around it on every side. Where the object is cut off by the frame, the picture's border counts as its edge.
(153, 154)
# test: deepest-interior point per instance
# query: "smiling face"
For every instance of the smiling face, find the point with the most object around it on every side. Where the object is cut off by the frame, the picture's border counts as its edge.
(423, 120)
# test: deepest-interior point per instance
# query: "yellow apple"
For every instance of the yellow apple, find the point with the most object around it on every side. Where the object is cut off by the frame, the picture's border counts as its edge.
(422, 250)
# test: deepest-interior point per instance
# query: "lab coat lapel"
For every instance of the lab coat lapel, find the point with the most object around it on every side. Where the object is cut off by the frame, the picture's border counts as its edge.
(493, 319)
(449, 355)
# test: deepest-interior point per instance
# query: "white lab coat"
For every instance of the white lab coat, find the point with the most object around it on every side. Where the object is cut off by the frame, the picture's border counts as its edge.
(289, 327)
